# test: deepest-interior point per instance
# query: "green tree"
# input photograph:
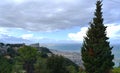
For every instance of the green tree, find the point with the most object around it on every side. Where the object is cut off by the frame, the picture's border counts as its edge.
(11, 52)
(96, 51)
(17, 68)
(116, 70)
(5, 65)
(55, 64)
(41, 66)
(27, 55)
(71, 69)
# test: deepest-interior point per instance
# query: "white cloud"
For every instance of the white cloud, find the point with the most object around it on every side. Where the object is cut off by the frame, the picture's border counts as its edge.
(10, 39)
(13, 32)
(27, 36)
(3, 30)
(79, 35)
(113, 31)
(31, 37)
(18, 1)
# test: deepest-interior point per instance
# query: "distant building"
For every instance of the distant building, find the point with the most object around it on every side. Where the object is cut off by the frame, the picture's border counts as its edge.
(36, 45)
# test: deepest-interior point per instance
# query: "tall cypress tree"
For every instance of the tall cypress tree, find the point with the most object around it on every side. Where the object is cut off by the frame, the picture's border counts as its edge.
(96, 51)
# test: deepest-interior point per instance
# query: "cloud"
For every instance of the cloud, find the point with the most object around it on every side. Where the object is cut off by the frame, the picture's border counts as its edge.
(7, 37)
(3, 31)
(27, 36)
(79, 35)
(113, 32)
(11, 39)
(51, 15)
(31, 37)
(17, 35)
(45, 15)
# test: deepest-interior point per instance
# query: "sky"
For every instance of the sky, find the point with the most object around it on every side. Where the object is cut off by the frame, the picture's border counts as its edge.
(54, 21)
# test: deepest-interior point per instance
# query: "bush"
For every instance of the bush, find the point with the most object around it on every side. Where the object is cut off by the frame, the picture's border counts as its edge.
(116, 70)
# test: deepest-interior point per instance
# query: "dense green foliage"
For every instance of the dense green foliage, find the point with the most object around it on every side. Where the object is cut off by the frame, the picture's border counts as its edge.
(18, 58)
(71, 69)
(59, 64)
(27, 55)
(56, 64)
(116, 70)
(11, 52)
(96, 51)
(17, 67)
(5, 65)
(40, 66)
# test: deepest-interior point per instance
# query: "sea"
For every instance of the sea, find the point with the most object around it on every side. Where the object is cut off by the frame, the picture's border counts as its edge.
(77, 48)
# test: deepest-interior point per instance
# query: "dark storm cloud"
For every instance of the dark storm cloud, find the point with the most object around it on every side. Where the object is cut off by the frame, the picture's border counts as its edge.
(49, 15)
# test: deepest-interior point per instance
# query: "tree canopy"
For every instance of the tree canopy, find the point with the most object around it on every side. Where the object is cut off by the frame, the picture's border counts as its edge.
(27, 55)
(96, 51)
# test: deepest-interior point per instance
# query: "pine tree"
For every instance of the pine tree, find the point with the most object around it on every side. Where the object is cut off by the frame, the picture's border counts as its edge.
(96, 51)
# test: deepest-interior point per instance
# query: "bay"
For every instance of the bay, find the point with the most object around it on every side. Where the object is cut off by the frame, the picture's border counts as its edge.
(77, 48)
